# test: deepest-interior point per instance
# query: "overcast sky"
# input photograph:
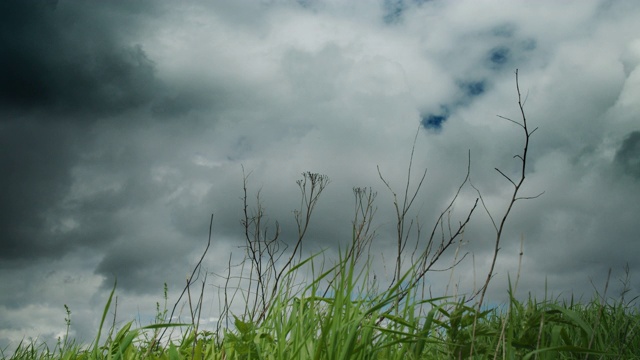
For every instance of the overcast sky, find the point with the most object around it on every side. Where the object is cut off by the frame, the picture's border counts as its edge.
(125, 124)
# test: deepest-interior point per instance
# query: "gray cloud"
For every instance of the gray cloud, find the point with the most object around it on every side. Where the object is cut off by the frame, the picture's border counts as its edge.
(67, 59)
(35, 165)
(628, 155)
(65, 67)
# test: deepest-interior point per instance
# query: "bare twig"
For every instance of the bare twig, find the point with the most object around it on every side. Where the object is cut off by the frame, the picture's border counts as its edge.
(264, 251)
(431, 254)
(401, 212)
(190, 279)
(514, 198)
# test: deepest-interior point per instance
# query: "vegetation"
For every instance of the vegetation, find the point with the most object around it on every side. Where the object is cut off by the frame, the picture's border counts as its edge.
(302, 307)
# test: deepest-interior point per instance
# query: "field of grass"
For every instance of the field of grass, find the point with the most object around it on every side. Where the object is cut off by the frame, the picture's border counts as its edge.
(302, 323)
(297, 307)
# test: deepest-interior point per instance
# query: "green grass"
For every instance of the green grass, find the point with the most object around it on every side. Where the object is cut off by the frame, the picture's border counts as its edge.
(301, 323)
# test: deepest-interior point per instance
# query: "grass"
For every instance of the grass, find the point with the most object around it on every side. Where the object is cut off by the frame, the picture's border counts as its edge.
(341, 312)
(303, 324)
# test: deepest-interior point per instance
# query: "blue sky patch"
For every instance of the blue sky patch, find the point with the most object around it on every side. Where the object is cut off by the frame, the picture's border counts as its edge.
(434, 121)
(499, 56)
(469, 90)
(473, 88)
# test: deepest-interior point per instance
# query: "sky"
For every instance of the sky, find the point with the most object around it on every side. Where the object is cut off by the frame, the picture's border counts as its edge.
(125, 125)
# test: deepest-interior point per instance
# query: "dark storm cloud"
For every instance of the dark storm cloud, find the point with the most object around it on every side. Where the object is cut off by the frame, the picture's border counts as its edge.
(64, 66)
(173, 106)
(141, 264)
(35, 162)
(68, 59)
(628, 155)
(191, 99)
(38, 197)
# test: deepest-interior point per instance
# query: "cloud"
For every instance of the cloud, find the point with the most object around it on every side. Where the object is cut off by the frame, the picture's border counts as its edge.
(36, 175)
(63, 59)
(628, 155)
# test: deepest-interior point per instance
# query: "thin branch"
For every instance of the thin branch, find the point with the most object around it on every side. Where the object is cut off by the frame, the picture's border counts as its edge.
(513, 121)
(530, 197)
(506, 177)
(190, 279)
(514, 197)
(484, 205)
